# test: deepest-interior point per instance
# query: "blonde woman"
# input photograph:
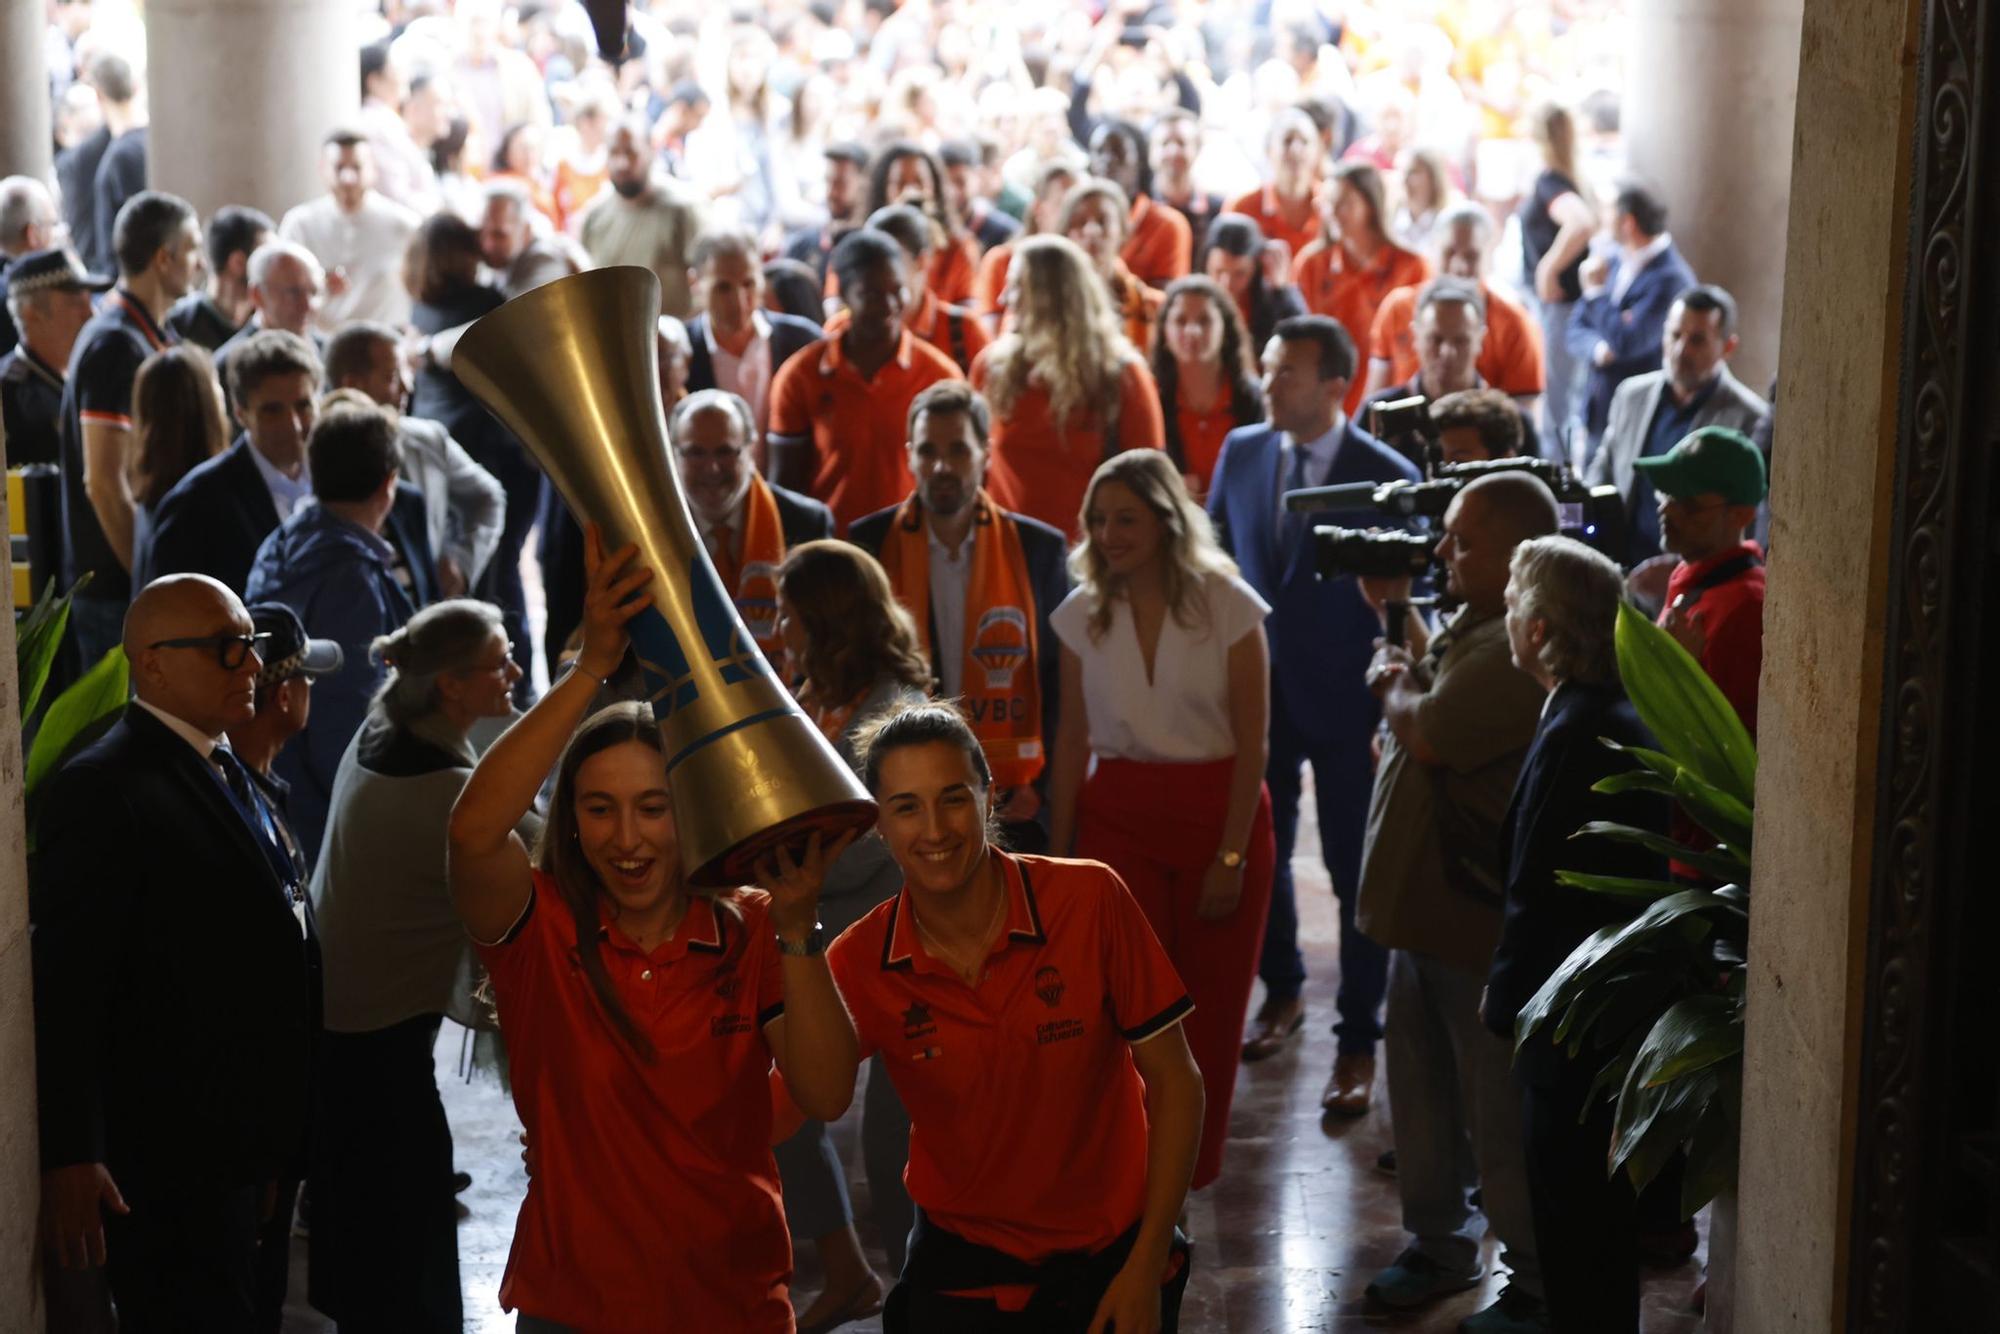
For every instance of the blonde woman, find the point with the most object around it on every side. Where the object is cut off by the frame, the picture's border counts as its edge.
(1068, 390)
(1097, 216)
(1165, 681)
(1557, 219)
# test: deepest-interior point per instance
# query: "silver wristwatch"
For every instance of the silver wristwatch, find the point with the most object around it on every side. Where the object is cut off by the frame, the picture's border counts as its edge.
(814, 943)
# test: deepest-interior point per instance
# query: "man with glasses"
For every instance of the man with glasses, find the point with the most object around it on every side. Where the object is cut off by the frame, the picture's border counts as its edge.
(286, 288)
(176, 980)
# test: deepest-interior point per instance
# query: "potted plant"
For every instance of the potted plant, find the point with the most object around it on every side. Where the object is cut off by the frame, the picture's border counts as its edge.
(1659, 999)
(77, 710)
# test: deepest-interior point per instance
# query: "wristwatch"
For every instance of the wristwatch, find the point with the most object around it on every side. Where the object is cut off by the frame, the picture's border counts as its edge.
(1230, 858)
(813, 944)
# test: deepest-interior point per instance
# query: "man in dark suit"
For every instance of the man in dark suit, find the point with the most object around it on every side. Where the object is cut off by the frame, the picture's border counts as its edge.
(1562, 610)
(734, 343)
(1616, 329)
(216, 517)
(1320, 633)
(976, 577)
(176, 982)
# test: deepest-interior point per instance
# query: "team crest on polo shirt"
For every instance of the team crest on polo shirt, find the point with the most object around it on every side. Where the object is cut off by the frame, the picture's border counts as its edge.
(1049, 986)
(1000, 645)
(727, 982)
(917, 1022)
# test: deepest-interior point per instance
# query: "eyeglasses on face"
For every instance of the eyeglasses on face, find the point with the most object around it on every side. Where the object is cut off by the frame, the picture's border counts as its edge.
(230, 650)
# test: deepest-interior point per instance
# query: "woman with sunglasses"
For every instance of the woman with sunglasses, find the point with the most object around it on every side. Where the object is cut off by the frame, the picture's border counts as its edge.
(642, 1015)
(384, 1247)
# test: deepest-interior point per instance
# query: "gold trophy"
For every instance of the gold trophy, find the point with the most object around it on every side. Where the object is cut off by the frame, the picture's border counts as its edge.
(572, 368)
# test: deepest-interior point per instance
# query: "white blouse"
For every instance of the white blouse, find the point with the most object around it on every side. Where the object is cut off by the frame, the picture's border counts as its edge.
(1180, 716)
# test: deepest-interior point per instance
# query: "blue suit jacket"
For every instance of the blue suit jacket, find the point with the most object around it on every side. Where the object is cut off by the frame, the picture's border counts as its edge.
(1322, 634)
(1632, 327)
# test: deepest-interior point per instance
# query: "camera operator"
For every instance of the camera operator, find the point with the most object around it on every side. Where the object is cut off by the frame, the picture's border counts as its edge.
(1450, 330)
(1459, 717)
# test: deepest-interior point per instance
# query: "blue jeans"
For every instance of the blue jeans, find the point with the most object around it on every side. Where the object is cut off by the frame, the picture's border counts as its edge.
(1342, 780)
(1562, 389)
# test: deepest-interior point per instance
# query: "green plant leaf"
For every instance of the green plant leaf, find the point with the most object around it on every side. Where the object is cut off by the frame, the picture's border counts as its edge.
(1712, 1148)
(101, 690)
(1693, 1034)
(1721, 863)
(1634, 780)
(36, 640)
(1654, 1121)
(1622, 886)
(1714, 810)
(1675, 698)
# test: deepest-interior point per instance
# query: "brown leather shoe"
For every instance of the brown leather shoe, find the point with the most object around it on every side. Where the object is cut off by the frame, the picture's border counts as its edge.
(1277, 1022)
(1349, 1089)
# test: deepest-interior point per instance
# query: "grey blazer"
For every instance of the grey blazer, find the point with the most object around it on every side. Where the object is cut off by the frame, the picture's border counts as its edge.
(1732, 404)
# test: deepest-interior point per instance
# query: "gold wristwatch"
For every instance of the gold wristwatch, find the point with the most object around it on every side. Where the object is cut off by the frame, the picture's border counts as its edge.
(1230, 858)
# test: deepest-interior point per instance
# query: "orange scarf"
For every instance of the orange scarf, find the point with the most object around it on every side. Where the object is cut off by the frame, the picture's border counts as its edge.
(753, 583)
(1002, 687)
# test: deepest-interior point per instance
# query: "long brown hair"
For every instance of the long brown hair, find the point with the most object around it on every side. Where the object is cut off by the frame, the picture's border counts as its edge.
(1246, 395)
(559, 855)
(856, 631)
(441, 259)
(176, 420)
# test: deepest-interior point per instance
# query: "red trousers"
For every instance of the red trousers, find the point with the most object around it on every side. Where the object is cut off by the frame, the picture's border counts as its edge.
(1159, 826)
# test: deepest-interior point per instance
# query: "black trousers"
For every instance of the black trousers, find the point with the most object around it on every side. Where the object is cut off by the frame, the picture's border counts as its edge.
(500, 582)
(184, 1261)
(384, 1249)
(1586, 1223)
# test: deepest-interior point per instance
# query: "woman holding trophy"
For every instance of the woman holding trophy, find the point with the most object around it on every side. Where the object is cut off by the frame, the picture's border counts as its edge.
(642, 1015)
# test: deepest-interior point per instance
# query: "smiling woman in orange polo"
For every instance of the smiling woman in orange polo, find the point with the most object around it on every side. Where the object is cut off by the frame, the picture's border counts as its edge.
(1031, 1023)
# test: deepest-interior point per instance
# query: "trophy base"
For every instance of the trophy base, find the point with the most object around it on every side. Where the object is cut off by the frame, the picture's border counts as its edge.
(737, 865)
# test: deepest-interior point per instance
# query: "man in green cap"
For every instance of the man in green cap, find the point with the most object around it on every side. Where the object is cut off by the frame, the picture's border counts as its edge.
(1707, 490)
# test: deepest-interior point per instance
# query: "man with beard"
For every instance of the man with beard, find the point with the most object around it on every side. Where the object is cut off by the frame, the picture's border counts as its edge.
(644, 219)
(981, 583)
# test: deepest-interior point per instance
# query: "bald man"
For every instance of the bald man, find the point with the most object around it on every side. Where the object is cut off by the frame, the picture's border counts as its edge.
(176, 982)
(1458, 717)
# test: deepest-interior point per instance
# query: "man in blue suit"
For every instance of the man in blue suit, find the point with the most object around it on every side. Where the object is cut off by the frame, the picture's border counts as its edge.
(1322, 635)
(1616, 328)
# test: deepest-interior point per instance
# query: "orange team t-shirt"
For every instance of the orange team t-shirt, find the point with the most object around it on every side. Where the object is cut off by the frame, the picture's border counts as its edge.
(1263, 206)
(932, 321)
(1201, 436)
(1161, 246)
(1510, 359)
(858, 427)
(654, 1198)
(1042, 471)
(991, 281)
(1027, 1115)
(953, 269)
(1333, 284)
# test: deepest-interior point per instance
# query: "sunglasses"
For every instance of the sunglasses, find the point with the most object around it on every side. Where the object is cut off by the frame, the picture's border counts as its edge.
(230, 650)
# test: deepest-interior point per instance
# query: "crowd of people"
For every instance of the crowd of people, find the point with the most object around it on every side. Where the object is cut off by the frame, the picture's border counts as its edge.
(989, 345)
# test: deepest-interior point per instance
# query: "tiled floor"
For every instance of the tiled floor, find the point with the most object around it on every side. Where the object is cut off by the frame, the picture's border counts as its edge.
(1287, 1240)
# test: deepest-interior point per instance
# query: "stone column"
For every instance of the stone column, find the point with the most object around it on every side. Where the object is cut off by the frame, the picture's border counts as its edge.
(256, 84)
(1821, 698)
(20, 1174)
(24, 93)
(1707, 117)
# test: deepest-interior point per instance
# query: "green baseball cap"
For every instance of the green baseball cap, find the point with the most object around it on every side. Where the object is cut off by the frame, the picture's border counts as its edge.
(1713, 459)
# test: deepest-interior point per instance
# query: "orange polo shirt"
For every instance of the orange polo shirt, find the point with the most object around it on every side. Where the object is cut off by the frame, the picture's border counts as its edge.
(953, 269)
(1201, 436)
(1042, 470)
(1263, 206)
(1027, 1116)
(991, 281)
(931, 321)
(1510, 359)
(1161, 245)
(655, 1201)
(1333, 284)
(858, 427)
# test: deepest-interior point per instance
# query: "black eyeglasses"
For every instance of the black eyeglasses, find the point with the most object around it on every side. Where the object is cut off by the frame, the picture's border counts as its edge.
(229, 650)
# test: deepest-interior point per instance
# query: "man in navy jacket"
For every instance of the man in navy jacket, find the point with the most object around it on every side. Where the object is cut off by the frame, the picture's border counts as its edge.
(1616, 328)
(1322, 635)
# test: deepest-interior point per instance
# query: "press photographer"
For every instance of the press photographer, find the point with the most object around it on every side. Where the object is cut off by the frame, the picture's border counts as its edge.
(1458, 718)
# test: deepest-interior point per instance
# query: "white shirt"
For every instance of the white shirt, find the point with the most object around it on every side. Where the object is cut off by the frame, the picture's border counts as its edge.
(748, 375)
(1632, 262)
(712, 535)
(366, 246)
(204, 745)
(286, 492)
(951, 575)
(1180, 716)
(403, 171)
